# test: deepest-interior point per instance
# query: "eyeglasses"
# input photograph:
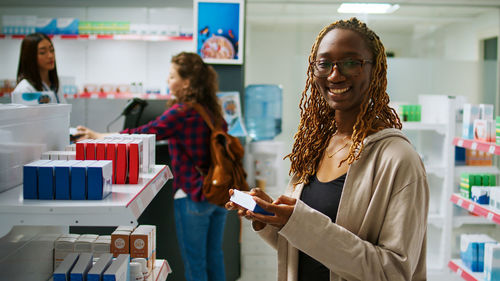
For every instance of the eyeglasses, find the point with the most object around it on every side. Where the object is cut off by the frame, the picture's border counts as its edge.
(348, 68)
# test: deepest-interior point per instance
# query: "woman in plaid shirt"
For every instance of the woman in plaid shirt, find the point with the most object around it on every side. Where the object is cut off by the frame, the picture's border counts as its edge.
(199, 224)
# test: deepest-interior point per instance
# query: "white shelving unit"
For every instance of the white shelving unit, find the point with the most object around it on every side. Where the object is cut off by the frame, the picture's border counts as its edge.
(29, 227)
(483, 213)
(122, 207)
(431, 142)
(258, 259)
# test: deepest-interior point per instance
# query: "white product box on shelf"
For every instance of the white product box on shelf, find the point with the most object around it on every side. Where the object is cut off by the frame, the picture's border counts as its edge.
(62, 272)
(471, 113)
(119, 269)
(96, 272)
(82, 267)
(492, 262)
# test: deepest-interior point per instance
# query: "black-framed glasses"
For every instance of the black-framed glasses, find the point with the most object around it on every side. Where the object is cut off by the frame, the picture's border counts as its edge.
(348, 67)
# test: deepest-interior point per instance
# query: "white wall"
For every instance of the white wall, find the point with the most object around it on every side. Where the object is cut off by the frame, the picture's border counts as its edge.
(444, 61)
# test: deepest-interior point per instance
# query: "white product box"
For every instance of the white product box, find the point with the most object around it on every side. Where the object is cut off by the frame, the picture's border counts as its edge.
(471, 113)
(62, 272)
(495, 197)
(245, 200)
(96, 272)
(484, 130)
(82, 267)
(119, 269)
(492, 262)
(101, 246)
(486, 112)
(84, 245)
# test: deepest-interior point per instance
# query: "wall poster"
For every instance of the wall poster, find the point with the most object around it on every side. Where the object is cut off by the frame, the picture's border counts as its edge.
(218, 33)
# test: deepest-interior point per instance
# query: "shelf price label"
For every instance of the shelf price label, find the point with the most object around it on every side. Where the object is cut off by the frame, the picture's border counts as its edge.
(471, 207)
(489, 216)
(473, 145)
(492, 149)
(459, 271)
(459, 202)
(460, 143)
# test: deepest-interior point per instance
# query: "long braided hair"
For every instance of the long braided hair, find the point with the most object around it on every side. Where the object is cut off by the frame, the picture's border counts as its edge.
(317, 123)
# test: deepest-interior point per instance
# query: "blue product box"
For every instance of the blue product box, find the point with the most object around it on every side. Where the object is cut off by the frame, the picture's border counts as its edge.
(459, 155)
(46, 25)
(46, 181)
(99, 179)
(97, 271)
(62, 272)
(82, 267)
(67, 26)
(118, 270)
(78, 186)
(62, 170)
(480, 194)
(30, 179)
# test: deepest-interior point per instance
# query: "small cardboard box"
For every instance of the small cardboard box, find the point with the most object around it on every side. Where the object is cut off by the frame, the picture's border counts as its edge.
(120, 243)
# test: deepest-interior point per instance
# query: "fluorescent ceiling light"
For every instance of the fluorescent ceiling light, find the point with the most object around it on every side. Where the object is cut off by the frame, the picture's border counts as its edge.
(365, 8)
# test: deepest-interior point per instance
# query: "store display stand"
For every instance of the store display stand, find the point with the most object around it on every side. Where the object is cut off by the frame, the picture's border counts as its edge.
(491, 215)
(431, 142)
(32, 225)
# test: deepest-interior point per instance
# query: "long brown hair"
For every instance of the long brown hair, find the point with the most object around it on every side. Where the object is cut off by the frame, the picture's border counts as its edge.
(202, 80)
(317, 123)
(28, 63)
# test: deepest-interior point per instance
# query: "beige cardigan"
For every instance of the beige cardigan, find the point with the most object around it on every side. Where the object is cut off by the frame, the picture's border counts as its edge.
(380, 231)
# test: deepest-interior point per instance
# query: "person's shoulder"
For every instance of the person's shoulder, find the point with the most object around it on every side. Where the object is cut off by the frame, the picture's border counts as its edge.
(24, 86)
(393, 144)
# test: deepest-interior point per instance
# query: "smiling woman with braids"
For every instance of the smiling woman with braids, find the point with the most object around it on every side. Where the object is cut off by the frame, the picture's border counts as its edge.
(356, 206)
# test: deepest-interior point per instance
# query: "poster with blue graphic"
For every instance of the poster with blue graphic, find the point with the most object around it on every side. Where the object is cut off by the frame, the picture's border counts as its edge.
(219, 31)
(231, 108)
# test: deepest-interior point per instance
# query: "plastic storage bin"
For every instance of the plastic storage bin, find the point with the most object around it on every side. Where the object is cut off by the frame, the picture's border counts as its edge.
(263, 111)
(26, 132)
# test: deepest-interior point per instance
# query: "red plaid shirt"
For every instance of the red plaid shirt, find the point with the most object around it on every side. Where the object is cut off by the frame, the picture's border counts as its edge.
(187, 133)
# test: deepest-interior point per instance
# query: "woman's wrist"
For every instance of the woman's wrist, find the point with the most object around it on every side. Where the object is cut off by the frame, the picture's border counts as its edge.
(257, 225)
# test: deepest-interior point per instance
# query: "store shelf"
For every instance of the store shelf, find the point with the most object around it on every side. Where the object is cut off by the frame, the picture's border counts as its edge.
(437, 170)
(161, 270)
(116, 95)
(458, 221)
(457, 266)
(436, 220)
(438, 127)
(122, 207)
(476, 169)
(489, 147)
(478, 209)
(122, 37)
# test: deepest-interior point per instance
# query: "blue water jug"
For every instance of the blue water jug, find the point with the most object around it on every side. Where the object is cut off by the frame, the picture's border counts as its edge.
(263, 111)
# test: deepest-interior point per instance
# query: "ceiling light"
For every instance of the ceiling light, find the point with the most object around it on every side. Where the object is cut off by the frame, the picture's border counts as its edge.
(365, 8)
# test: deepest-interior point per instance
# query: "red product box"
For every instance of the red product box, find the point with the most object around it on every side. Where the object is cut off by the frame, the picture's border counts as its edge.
(80, 150)
(111, 155)
(90, 150)
(100, 151)
(135, 158)
(121, 162)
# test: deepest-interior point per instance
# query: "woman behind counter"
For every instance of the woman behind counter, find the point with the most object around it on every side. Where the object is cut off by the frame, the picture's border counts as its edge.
(37, 71)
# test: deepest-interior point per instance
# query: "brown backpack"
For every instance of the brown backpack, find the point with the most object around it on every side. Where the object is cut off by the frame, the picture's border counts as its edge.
(226, 165)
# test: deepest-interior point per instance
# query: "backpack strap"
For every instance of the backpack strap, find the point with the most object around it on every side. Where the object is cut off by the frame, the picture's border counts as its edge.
(204, 115)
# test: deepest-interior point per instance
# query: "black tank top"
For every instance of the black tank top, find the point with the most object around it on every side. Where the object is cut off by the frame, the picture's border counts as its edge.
(325, 198)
